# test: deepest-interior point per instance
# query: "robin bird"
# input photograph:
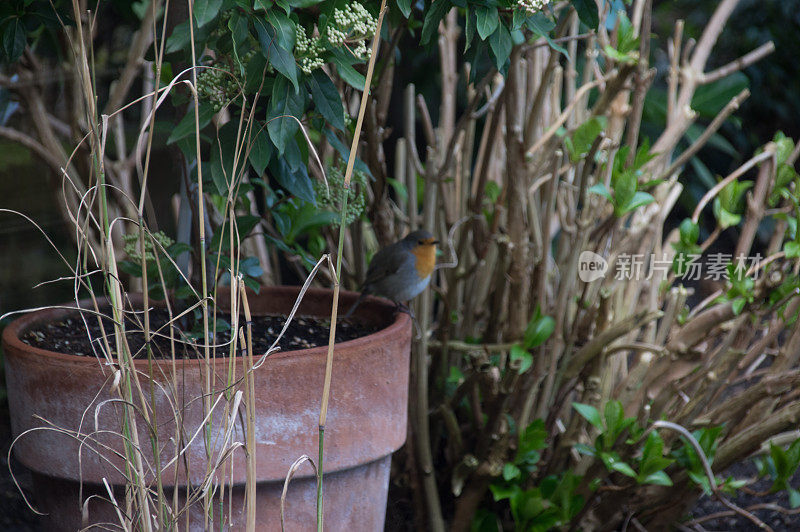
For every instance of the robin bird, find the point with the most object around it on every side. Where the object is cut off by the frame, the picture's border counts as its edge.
(400, 271)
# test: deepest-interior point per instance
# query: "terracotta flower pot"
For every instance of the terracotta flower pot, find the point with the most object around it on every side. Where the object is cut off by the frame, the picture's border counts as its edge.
(366, 421)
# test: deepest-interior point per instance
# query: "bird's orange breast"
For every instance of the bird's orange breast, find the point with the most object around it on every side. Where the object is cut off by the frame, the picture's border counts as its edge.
(426, 259)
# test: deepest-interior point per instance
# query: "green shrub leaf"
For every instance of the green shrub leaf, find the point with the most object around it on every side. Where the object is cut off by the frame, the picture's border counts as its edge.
(487, 21)
(591, 414)
(326, 99)
(284, 105)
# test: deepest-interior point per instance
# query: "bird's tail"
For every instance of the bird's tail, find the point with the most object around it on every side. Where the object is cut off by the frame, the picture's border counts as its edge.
(355, 305)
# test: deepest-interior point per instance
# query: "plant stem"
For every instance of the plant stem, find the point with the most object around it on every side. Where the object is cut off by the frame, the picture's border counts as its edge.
(202, 231)
(326, 387)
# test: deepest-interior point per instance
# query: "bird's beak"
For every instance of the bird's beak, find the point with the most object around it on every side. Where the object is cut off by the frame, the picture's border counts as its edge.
(435, 242)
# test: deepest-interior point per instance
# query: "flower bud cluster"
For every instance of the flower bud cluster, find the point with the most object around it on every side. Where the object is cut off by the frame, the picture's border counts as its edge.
(531, 6)
(216, 86)
(308, 50)
(356, 19)
(132, 245)
(330, 197)
(352, 24)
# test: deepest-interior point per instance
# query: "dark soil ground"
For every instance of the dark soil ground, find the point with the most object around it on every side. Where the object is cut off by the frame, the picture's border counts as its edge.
(775, 510)
(69, 335)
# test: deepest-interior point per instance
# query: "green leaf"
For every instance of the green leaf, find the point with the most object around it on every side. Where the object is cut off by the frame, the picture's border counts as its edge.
(205, 11)
(399, 188)
(643, 155)
(783, 179)
(296, 181)
(708, 100)
(405, 7)
(344, 152)
(624, 185)
(240, 34)
(621, 57)
(793, 455)
(738, 305)
(716, 140)
(186, 126)
(518, 19)
(344, 67)
(582, 448)
(435, 13)
(284, 105)
(653, 460)
(222, 156)
(780, 460)
(500, 43)
(689, 231)
(587, 13)
(541, 24)
(783, 147)
(510, 472)
(13, 38)
(724, 217)
(469, 28)
(503, 492)
(613, 463)
(639, 199)
(653, 447)
(532, 440)
(591, 414)
(659, 478)
(252, 284)
(326, 99)
(585, 135)
(794, 498)
(602, 190)
(255, 75)
(484, 521)
(518, 353)
(284, 29)
(260, 152)
(279, 57)
(732, 195)
(296, 154)
(456, 376)
(487, 20)
(538, 331)
(615, 415)
(309, 217)
(627, 42)
(179, 38)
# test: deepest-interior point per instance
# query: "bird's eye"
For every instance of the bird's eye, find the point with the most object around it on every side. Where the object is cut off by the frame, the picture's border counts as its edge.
(421, 242)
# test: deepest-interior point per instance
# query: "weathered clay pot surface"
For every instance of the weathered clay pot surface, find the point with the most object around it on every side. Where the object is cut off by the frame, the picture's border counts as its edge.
(366, 418)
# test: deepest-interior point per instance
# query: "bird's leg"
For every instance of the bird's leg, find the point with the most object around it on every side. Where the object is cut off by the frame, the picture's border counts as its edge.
(401, 307)
(361, 297)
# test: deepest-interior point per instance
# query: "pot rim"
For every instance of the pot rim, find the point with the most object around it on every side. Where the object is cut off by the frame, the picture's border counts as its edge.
(13, 331)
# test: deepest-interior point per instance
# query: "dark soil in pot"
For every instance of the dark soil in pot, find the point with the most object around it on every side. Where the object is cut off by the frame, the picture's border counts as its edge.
(69, 335)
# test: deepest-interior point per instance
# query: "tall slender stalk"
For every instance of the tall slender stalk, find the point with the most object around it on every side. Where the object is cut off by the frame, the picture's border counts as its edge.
(250, 402)
(202, 235)
(326, 388)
